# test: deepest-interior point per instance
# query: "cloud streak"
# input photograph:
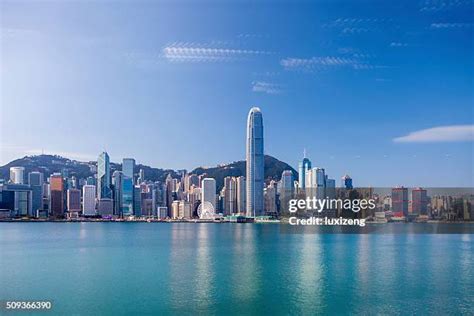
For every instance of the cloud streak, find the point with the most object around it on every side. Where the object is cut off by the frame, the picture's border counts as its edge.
(453, 133)
(439, 5)
(398, 44)
(191, 52)
(324, 63)
(437, 26)
(266, 87)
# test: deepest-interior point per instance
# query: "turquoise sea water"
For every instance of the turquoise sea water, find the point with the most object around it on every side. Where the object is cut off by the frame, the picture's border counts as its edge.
(184, 268)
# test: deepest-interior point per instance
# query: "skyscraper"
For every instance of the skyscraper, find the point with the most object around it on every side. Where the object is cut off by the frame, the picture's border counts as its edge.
(287, 181)
(255, 163)
(103, 177)
(230, 196)
(128, 167)
(270, 197)
(73, 200)
(400, 201)
(141, 177)
(88, 199)
(127, 196)
(137, 200)
(419, 201)
(303, 167)
(117, 182)
(209, 191)
(35, 180)
(57, 195)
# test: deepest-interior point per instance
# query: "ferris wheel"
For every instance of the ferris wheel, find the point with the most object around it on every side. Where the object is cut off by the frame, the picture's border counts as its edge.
(206, 210)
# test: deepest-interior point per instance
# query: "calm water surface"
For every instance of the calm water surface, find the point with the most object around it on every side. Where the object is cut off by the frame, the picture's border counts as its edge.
(153, 268)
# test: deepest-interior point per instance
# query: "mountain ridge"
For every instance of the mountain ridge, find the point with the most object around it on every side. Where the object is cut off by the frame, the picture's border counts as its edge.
(49, 164)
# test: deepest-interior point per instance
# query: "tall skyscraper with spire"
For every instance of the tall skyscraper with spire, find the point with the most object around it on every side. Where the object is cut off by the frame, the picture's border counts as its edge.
(255, 163)
(303, 168)
(103, 177)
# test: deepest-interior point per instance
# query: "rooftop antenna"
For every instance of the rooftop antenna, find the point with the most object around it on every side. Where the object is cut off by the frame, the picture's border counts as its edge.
(304, 153)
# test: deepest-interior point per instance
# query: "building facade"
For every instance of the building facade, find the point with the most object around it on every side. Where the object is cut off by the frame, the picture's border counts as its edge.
(255, 163)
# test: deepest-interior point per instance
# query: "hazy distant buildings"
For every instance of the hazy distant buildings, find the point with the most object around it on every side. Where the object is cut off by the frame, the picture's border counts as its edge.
(330, 188)
(346, 182)
(287, 181)
(400, 201)
(103, 177)
(88, 200)
(419, 201)
(271, 198)
(17, 175)
(255, 163)
(315, 182)
(286, 188)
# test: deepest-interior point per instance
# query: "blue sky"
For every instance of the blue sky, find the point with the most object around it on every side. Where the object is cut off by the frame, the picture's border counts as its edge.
(380, 90)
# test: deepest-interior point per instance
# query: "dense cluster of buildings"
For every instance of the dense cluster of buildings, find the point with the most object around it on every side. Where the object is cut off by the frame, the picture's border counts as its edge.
(128, 194)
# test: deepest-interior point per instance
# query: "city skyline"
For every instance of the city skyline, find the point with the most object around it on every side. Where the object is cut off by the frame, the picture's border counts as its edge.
(380, 91)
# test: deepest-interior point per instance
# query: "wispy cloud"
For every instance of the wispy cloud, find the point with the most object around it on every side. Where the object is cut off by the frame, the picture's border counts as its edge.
(323, 63)
(191, 52)
(443, 5)
(348, 22)
(349, 26)
(355, 30)
(436, 26)
(267, 87)
(398, 44)
(454, 133)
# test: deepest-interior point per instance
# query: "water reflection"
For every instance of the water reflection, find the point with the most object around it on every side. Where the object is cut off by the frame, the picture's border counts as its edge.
(245, 271)
(310, 274)
(204, 276)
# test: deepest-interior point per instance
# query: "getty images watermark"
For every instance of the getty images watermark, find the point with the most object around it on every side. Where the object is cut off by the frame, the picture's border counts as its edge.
(374, 209)
(325, 207)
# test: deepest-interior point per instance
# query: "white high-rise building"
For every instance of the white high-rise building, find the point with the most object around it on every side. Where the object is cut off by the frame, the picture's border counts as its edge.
(88, 199)
(17, 175)
(255, 163)
(208, 186)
